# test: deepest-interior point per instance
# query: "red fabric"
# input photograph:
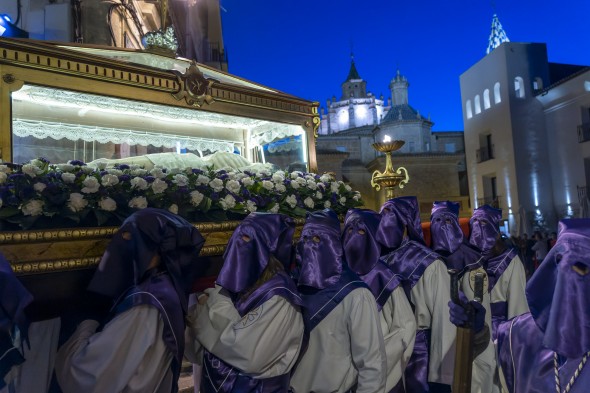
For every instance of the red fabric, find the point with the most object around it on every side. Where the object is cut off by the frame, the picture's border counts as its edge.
(203, 283)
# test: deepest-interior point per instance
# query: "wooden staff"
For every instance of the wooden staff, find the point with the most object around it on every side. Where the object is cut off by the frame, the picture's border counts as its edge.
(464, 339)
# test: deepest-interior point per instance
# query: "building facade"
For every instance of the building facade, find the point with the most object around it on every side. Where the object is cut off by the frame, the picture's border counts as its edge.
(435, 160)
(526, 135)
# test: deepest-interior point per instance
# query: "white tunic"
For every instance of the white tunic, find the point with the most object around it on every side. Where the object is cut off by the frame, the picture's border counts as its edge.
(398, 326)
(264, 343)
(128, 355)
(345, 348)
(34, 375)
(430, 296)
(510, 288)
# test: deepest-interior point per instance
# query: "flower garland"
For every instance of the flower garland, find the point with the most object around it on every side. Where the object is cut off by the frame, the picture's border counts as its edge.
(42, 195)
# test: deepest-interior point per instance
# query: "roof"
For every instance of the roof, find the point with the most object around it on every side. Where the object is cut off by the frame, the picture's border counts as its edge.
(402, 112)
(497, 35)
(357, 131)
(560, 73)
(352, 73)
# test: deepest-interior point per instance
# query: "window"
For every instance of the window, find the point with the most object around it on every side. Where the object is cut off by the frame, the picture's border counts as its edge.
(341, 148)
(497, 97)
(468, 109)
(519, 87)
(449, 148)
(477, 105)
(538, 84)
(412, 147)
(486, 99)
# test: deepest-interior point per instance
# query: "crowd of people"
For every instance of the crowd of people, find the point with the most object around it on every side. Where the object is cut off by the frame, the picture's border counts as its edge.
(364, 306)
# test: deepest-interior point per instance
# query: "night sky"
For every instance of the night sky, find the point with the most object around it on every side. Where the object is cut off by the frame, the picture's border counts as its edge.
(302, 47)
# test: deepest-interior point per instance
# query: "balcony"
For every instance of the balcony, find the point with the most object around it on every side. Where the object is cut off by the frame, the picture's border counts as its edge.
(492, 201)
(584, 132)
(485, 153)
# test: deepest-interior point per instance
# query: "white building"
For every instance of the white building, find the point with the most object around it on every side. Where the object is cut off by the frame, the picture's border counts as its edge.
(527, 123)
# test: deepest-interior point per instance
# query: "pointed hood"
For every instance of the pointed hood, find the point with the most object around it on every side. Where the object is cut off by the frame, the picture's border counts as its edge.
(445, 232)
(248, 251)
(142, 235)
(484, 227)
(398, 215)
(320, 256)
(558, 291)
(361, 248)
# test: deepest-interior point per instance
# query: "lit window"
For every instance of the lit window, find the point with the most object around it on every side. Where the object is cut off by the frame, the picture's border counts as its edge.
(477, 105)
(497, 97)
(468, 109)
(538, 84)
(519, 87)
(486, 99)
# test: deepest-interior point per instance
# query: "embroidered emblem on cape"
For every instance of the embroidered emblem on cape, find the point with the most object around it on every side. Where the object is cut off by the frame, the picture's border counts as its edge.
(486, 283)
(249, 319)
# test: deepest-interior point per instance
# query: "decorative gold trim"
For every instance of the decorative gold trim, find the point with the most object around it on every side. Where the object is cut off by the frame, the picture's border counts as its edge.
(8, 78)
(316, 125)
(194, 87)
(53, 235)
(54, 266)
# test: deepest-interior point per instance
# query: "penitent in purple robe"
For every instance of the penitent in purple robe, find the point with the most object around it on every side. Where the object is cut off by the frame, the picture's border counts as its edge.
(540, 351)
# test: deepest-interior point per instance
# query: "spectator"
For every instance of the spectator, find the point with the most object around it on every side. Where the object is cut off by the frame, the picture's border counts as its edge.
(540, 248)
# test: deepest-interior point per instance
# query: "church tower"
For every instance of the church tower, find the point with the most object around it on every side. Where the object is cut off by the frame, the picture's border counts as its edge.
(497, 35)
(354, 86)
(399, 89)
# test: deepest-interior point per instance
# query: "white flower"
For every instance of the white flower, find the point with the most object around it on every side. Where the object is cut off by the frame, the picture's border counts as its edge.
(201, 179)
(319, 195)
(173, 208)
(233, 186)
(347, 187)
(139, 183)
(158, 173)
(109, 180)
(216, 185)
(65, 167)
(138, 202)
(68, 177)
(308, 202)
(262, 173)
(280, 187)
(334, 186)
(251, 206)
(275, 208)
(32, 208)
(357, 196)
(4, 168)
(301, 181)
(196, 198)
(268, 184)
(342, 200)
(228, 202)
(173, 171)
(101, 166)
(312, 185)
(247, 181)
(107, 204)
(327, 204)
(295, 185)
(77, 202)
(291, 200)
(3, 177)
(91, 185)
(296, 174)
(36, 162)
(31, 170)
(133, 167)
(180, 180)
(39, 187)
(278, 177)
(87, 170)
(159, 185)
(325, 178)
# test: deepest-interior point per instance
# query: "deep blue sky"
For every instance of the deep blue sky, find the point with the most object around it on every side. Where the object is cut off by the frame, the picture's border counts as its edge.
(302, 47)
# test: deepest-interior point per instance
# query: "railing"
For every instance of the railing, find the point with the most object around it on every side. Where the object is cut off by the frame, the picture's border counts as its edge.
(584, 132)
(492, 201)
(485, 153)
(583, 201)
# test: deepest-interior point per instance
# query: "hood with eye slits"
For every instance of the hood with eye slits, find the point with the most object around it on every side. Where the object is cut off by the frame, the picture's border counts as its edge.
(558, 292)
(397, 215)
(358, 239)
(320, 256)
(445, 232)
(484, 228)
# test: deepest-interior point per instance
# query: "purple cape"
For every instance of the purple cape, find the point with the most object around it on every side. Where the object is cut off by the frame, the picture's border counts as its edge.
(363, 252)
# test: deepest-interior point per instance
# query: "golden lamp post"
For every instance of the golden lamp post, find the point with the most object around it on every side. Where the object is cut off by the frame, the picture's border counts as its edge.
(390, 178)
